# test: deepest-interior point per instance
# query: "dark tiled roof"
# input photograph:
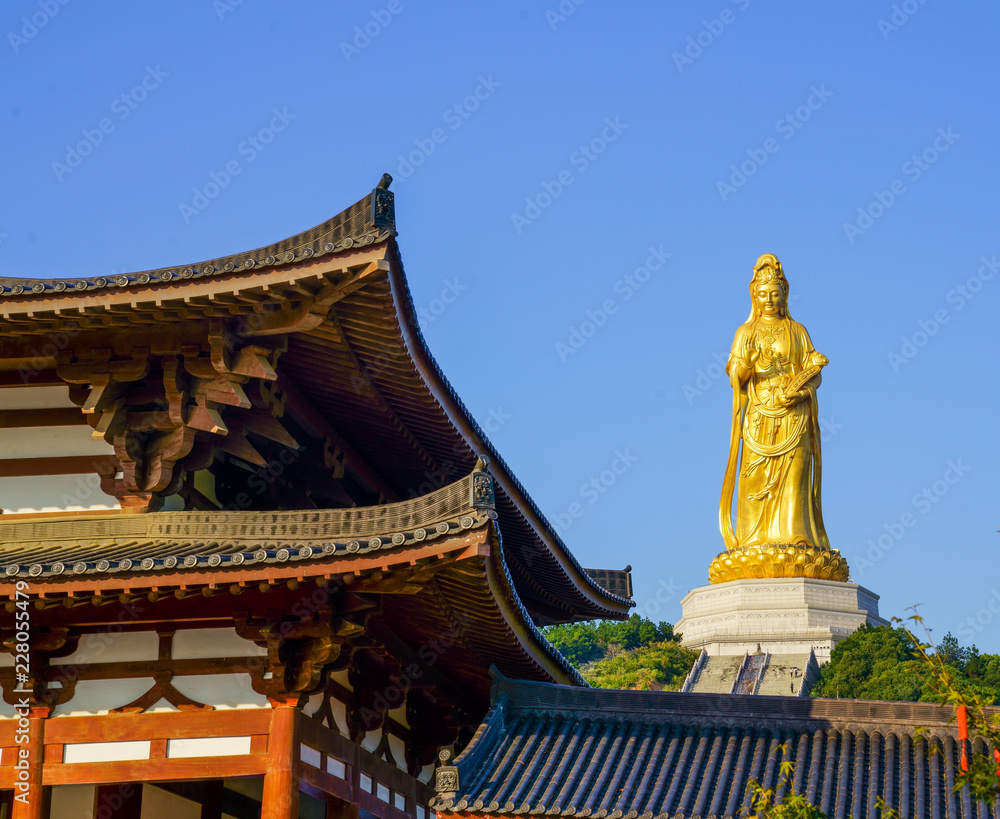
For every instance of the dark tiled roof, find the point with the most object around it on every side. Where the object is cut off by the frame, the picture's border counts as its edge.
(198, 540)
(615, 581)
(366, 222)
(548, 750)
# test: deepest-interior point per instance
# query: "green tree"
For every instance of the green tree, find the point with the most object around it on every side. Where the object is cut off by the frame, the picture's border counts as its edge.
(577, 642)
(585, 642)
(874, 663)
(660, 666)
(885, 663)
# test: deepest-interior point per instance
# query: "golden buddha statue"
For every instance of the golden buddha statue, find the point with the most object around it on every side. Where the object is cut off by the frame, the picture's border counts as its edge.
(774, 449)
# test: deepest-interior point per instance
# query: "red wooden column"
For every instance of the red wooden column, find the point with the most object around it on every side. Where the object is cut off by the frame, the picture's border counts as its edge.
(35, 806)
(281, 782)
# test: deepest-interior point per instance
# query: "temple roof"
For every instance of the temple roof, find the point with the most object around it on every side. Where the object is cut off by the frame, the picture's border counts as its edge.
(435, 564)
(366, 222)
(550, 750)
(189, 541)
(333, 311)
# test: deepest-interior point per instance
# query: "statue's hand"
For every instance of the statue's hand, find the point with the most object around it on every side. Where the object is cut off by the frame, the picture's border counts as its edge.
(750, 353)
(789, 400)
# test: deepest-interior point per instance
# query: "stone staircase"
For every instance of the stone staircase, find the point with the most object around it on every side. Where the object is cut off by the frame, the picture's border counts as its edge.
(786, 675)
(717, 675)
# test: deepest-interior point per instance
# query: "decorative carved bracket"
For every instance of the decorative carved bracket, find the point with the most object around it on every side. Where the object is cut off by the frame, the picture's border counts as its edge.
(299, 651)
(163, 411)
(45, 645)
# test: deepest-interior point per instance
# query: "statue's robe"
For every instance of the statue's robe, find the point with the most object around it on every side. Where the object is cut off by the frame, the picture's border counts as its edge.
(774, 450)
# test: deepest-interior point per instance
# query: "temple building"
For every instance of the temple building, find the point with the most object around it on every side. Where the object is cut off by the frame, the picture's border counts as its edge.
(258, 558)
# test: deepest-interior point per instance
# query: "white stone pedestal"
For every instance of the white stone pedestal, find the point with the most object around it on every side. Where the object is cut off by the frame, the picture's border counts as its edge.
(790, 615)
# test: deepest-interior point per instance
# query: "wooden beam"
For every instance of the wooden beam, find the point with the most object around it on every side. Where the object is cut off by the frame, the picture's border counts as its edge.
(319, 427)
(72, 465)
(53, 417)
(27, 375)
(155, 770)
(88, 513)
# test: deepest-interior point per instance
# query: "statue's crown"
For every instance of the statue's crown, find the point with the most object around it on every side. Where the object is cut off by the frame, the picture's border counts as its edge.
(768, 269)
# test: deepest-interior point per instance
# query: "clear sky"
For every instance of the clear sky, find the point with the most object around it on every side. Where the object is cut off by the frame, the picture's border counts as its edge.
(544, 153)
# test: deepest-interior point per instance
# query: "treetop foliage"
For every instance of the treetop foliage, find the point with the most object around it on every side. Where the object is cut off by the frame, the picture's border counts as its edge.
(636, 654)
(884, 663)
(585, 642)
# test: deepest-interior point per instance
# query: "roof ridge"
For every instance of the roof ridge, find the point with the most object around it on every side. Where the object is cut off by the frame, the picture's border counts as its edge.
(368, 221)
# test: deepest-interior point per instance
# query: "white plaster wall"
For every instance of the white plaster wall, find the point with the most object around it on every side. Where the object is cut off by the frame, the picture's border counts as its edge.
(208, 746)
(339, 711)
(371, 740)
(224, 691)
(203, 643)
(342, 677)
(106, 751)
(52, 442)
(398, 750)
(99, 696)
(312, 704)
(54, 493)
(398, 715)
(35, 397)
(106, 647)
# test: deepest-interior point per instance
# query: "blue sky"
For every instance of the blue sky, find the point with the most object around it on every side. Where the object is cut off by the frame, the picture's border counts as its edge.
(549, 156)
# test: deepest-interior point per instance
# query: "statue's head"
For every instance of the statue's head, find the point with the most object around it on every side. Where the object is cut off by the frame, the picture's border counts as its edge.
(768, 289)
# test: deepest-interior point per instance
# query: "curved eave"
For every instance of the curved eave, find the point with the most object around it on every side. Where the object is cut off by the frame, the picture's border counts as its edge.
(436, 561)
(368, 221)
(593, 600)
(310, 284)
